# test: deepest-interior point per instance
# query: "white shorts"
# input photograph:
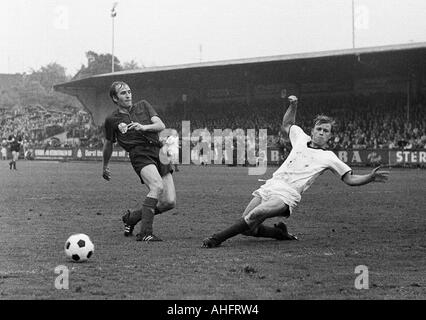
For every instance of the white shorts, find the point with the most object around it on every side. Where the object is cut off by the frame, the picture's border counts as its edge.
(279, 189)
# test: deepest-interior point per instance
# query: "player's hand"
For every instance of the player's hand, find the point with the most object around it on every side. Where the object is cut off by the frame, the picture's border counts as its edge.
(136, 125)
(379, 176)
(106, 174)
(292, 99)
(289, 236)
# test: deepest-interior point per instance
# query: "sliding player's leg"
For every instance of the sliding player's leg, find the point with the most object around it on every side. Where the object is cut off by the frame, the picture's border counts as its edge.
(255, 214)
(256, 217)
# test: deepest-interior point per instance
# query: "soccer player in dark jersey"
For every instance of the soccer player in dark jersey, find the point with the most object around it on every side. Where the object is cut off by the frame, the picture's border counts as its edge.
(15, 146)
(135, 127)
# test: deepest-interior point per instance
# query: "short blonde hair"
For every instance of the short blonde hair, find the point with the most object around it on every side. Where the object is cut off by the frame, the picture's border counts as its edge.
(115, 87)
(321, 119)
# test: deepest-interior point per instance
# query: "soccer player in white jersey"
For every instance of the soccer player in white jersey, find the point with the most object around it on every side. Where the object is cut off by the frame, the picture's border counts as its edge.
(281, 194)
(172, 143)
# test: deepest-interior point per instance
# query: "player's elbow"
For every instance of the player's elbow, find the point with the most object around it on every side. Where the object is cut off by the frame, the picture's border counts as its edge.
(350, 183)
(349, 180)
(159, 125)
(285, 129)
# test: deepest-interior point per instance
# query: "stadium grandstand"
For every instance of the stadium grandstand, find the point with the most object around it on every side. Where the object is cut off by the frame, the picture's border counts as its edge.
(376, 94)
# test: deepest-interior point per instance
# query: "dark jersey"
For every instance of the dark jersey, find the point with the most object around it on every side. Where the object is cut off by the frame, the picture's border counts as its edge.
(14, 144)
(116, 127)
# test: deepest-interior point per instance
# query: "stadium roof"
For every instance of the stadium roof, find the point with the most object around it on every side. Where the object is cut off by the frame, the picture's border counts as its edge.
(166, 85)
(256, 60)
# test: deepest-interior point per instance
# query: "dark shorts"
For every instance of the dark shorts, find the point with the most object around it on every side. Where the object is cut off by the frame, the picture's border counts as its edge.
(143, 156)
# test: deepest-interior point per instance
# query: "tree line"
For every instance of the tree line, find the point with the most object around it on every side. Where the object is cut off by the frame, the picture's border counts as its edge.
(36, 87)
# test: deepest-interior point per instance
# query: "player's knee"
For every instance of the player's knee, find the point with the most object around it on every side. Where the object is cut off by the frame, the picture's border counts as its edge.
(259, 215)
(172, 203)
(157, 187)
(255, 218)
(168, 204)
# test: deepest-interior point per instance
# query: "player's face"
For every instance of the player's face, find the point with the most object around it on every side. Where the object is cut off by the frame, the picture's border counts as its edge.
(321, 133)
(124, 96)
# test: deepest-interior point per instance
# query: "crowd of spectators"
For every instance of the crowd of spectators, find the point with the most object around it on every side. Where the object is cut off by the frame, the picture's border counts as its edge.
(362, 122)
(36, 126)
(380, 121)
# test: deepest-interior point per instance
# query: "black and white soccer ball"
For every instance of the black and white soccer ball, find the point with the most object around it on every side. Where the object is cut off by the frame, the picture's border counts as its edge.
(79, 247)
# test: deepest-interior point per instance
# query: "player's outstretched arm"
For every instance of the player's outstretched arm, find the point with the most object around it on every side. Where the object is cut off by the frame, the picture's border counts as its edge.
(290, 116)
(156, 126)
(359, 180)
(107, 152)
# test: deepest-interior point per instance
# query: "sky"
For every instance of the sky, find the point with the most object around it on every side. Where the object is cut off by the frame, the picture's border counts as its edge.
(34, 33)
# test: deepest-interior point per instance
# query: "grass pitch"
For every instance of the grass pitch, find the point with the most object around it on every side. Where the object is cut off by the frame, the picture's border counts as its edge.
(381, 226)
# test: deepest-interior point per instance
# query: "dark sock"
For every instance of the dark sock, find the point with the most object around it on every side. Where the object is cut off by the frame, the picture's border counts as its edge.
(134, 217)
(147, 218)
(14, 165)
(268, 232)
(239, 227)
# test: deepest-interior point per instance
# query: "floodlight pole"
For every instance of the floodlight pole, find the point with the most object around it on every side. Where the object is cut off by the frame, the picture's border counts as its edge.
(113, 15)
(408, 99)
(353, 24)
(112, 60)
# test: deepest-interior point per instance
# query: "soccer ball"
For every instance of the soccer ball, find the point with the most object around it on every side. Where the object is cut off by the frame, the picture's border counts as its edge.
(79, 247)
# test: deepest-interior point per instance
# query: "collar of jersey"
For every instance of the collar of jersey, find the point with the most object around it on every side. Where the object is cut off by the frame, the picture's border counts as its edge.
(307, 143)
(130, 111)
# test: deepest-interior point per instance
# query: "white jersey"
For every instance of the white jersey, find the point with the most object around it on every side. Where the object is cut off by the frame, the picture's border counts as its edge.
(304, 164)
